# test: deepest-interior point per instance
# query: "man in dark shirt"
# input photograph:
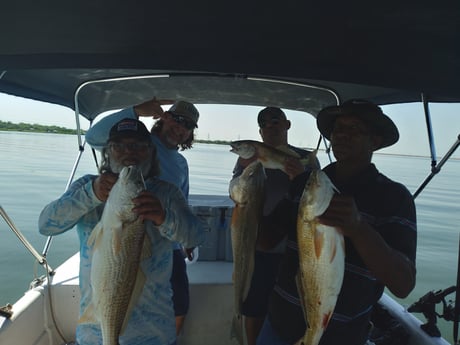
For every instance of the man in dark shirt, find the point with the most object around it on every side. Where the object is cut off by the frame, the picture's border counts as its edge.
(375, 214)
(273, 128)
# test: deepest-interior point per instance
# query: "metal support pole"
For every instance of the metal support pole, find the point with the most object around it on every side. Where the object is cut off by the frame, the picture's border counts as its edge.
(437, 168)
(41, 259)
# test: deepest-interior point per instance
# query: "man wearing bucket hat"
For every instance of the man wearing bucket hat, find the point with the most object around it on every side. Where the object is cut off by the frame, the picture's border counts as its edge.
(173, 129)
(377, 218)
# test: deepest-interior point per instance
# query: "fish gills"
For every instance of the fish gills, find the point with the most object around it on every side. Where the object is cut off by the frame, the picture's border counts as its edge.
(247, 191)
(321, 258)
(117, 242)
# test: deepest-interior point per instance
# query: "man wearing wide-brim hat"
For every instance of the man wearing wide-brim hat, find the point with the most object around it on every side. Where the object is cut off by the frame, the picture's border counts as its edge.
(377, 218)
(379, 123)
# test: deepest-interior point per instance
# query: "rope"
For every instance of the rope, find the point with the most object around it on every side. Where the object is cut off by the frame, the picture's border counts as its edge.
(53, 317)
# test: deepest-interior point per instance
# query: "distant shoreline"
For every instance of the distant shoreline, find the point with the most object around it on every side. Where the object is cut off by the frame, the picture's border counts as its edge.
(8, 126)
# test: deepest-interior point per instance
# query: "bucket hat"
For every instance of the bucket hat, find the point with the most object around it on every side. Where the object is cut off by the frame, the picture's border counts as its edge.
(368, 112)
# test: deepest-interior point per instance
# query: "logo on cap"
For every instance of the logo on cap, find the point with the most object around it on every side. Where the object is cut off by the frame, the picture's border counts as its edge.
(127, 126)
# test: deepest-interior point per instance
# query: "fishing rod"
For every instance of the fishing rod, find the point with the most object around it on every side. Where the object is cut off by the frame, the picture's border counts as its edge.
(457, 300)
(451, 311)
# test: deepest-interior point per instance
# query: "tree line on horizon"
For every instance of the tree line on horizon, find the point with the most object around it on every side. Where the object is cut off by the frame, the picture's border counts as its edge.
(28, 127)
(36, 128)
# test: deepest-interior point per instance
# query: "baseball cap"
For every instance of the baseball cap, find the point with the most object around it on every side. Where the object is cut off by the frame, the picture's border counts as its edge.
(270, 113)
(129, 128)
(185, 109)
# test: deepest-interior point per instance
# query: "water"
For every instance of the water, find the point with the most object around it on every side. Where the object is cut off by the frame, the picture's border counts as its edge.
(35, 170)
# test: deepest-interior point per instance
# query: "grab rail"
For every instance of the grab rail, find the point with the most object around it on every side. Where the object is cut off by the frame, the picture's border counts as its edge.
(41, 259)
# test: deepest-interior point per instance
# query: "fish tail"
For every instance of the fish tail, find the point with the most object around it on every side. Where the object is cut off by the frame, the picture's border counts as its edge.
(237, 328)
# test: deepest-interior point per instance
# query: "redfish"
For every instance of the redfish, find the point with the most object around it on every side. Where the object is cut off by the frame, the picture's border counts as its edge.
(270, 157)
(117, 243)
(247, 191)
(321, 258)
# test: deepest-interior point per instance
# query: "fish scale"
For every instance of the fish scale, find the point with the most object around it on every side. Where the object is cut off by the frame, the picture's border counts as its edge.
(247, 191)
(117, 242)
(271, 157)
(321, 258)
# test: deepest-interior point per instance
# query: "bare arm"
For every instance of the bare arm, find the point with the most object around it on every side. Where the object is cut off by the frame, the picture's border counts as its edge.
(388, 265)
(151, 108)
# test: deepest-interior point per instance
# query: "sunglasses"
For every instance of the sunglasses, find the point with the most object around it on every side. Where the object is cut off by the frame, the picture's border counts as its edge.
(273, 121)
(136, 147)
(183, 121)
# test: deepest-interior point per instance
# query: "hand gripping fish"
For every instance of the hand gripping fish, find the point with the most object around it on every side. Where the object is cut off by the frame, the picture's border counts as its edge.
(117, 241)
(247, 191)
(270, 157)
(321, 258)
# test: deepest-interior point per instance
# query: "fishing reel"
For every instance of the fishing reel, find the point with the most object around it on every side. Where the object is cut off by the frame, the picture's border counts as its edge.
(427, 305)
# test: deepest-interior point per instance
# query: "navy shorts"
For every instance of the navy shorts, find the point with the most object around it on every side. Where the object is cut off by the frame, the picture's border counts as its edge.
(266, 268)
(179, 284)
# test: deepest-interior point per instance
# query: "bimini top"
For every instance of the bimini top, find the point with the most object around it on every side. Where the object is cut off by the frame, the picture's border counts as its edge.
(383, 52)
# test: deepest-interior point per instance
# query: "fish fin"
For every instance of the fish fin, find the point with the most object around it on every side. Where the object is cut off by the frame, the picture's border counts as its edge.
(319, 242)
(88, 315)
(335, 189)
(237, 328)
(146, 251)
(117, 232)
(333, 251)
(300, 342)
(326, 319)
(95, 235)
(311, 160)
(137, 290)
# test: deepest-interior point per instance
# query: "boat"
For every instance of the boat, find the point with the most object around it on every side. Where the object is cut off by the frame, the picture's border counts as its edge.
(102, 56)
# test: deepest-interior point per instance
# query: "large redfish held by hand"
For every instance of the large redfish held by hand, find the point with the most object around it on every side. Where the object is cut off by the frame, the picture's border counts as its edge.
(247, 191)
(117, 244)
(321, 258)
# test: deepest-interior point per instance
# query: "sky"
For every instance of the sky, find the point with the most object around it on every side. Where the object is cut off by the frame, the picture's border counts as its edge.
(236, 122)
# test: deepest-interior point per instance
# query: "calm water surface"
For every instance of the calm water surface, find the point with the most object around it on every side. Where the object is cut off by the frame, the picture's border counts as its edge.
(35, 170)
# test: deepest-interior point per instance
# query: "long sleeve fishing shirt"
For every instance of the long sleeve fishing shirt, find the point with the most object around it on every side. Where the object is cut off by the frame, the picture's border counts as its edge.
(152, 321)
(173, 165)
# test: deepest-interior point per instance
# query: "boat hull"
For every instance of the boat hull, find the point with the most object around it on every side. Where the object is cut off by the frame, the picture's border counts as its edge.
(53, 321)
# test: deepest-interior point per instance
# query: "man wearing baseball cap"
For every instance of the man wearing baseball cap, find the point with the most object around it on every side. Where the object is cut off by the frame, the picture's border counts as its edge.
(173, 130)
(166, 217)
(271, 241)
(376, 216)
